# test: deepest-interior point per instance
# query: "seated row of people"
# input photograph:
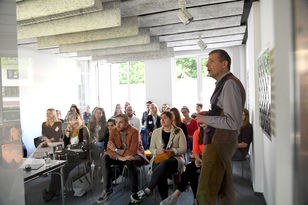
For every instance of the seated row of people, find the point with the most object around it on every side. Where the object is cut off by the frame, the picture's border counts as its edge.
(168, 138)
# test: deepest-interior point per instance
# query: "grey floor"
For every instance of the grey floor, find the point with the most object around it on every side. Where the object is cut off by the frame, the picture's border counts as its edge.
(243, 191)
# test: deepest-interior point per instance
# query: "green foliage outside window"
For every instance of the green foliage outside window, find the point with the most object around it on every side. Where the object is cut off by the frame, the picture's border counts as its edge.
(135, 73)
(187, 68)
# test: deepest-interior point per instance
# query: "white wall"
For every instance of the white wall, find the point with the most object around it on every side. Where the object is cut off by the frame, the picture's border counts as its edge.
(158, 81)
(252, 51)
(272, 159)
(51, 82)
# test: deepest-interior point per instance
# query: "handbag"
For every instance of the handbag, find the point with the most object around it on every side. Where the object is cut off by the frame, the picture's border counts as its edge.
(82, 185)
(162, 157)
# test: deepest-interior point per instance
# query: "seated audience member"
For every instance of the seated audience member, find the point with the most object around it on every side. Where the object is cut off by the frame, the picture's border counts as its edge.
(97, 126)
(124, 148)
(191, 174)
(244, 138)
(117, 111)
(198, 109)
(144, 132)
(165, 107)
(52, 128)
(87, 115)
(76, 109)
(59, 116)
(177, 121)
(76, 133)
(192, 126)
(110, 125)
(166, 139)
(125, 106)
(132, 120)
(153, 120)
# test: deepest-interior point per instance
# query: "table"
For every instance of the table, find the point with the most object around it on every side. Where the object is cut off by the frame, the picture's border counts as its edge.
(34, 174)
(40, 150)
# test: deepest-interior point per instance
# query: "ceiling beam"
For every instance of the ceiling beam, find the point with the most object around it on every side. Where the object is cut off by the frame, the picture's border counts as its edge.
(196, 25)
(153, 46)
(237, 37)
(129, 27)
(164, 53)
(97, 20)
(142, 38)
(204, 34)
(199, 13)
(212, 45)
(129, 8)
(32, 9)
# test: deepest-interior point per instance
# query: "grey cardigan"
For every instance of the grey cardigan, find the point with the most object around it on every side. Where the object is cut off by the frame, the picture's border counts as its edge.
(177, 142)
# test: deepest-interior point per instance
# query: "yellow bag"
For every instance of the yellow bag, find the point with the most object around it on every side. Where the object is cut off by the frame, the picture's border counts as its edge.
(161, 157)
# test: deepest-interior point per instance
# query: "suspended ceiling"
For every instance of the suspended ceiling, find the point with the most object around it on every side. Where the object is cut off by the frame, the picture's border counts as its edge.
(125, 30)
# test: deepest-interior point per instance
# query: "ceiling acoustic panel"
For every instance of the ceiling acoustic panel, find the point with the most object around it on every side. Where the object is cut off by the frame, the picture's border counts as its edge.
(92, 21)
(153, 46)
(142, 38)
(129, 27)
(31, 9)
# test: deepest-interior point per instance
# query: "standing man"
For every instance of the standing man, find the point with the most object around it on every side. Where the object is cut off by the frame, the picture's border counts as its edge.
(124, 148)
(132, 120)
(220, 137)
(144, 133)
(87, 115)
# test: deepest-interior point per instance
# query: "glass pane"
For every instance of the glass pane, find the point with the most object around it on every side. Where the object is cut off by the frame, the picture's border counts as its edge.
(186, 83)
(136, 75)
(123, 73)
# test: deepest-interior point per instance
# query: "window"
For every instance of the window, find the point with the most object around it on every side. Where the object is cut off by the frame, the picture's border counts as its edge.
(193, 84)
(10, 91)
(12, 74)
(125, 83)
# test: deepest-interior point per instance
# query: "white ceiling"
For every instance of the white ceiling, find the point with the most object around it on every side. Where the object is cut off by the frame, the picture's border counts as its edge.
(129, 29)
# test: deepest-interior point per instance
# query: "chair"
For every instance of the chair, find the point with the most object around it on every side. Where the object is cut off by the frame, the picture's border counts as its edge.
(37, 141)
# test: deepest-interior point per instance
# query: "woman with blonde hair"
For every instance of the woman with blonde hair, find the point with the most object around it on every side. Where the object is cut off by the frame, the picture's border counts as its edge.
(52, 128)
(76, 134)
(117, 111)
(153, 120)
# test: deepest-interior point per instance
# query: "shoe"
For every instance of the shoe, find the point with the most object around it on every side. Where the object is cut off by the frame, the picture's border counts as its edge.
(134, 199)
(47, 196)
(137, 198)
(118, 180)
(169, 201)
(104, 196)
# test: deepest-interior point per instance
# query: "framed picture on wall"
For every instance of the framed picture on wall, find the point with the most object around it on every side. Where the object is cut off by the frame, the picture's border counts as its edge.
(264, 74)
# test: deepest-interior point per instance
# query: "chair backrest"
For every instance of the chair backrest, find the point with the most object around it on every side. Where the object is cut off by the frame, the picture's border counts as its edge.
(37, 141)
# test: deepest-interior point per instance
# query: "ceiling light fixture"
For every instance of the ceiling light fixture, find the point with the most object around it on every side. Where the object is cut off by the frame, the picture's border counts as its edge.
(183, 14)
(201, 44)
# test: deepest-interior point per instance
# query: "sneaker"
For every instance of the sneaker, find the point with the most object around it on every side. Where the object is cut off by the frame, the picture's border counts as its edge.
(104, 196)
(169, 201)
(137, 198)
(134, 199)
(118, 180)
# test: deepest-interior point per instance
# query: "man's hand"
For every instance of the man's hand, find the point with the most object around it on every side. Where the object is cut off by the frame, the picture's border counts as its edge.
(111, 146)
(200, 118)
